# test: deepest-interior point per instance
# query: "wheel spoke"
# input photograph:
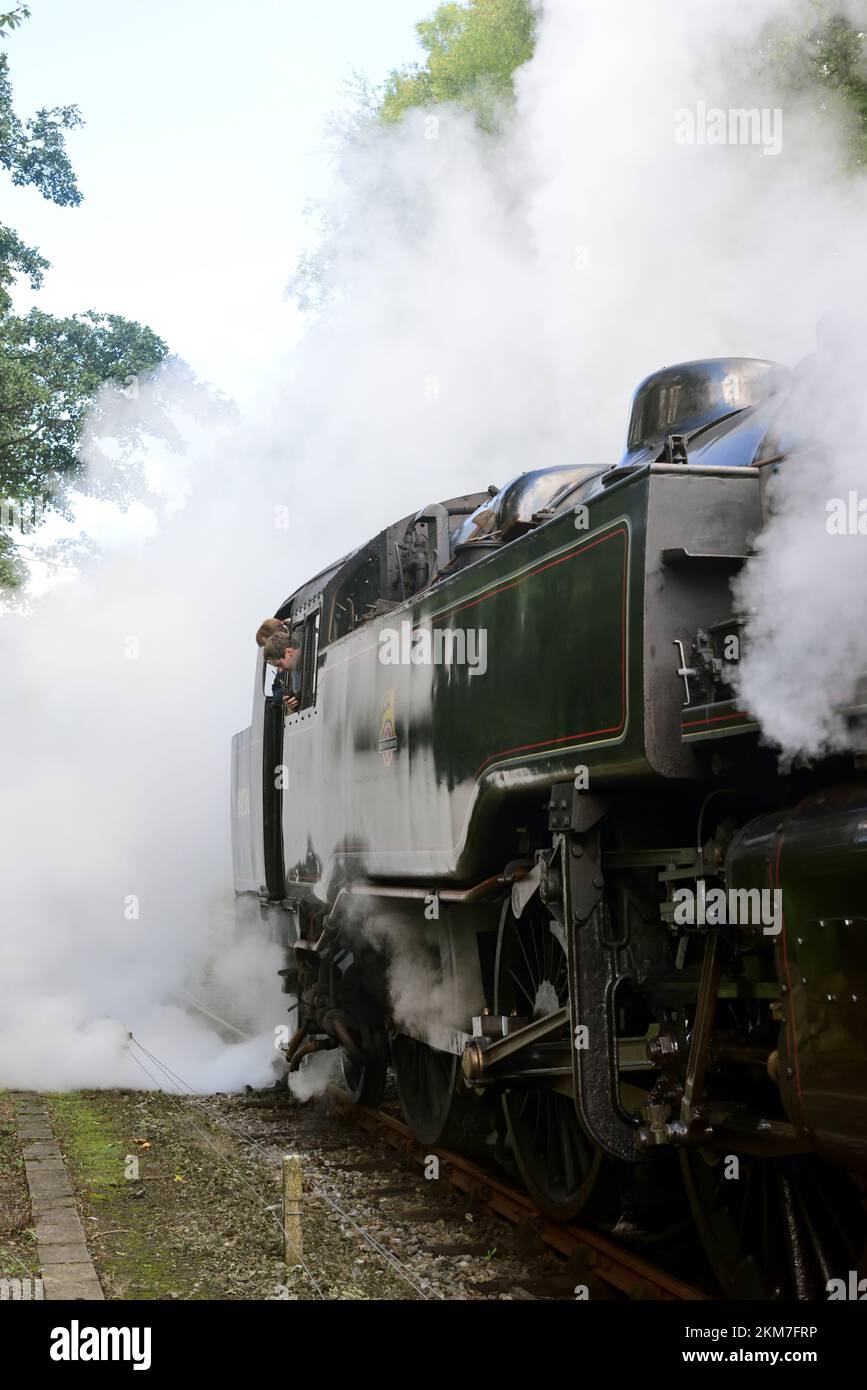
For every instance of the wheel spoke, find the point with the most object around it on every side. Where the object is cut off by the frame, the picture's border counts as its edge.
(533, 982)
(531, 999)
(779, 1231)
(534, 937)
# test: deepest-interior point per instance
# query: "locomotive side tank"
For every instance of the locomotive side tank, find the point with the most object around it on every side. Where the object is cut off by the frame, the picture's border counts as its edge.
(566, 636)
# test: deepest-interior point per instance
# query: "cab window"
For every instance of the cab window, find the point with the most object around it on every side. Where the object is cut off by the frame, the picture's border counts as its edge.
(302, 678)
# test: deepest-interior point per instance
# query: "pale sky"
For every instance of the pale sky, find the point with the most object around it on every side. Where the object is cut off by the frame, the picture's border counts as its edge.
(202, 144)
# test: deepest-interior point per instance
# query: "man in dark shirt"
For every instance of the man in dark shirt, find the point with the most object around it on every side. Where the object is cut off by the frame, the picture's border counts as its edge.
(282, 651)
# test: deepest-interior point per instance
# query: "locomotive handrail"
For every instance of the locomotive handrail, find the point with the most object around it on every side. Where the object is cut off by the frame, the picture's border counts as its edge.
(448, 895)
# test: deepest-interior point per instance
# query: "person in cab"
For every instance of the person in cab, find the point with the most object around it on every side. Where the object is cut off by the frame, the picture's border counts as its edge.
(282, 651)
(269, 628)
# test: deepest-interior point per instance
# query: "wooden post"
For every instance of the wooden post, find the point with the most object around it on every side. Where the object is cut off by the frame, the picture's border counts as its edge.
(292, 1210)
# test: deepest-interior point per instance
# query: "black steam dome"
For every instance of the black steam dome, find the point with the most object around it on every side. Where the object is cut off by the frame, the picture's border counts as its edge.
(691, 395)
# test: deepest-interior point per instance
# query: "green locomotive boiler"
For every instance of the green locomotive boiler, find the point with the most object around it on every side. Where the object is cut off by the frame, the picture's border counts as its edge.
(524, 847)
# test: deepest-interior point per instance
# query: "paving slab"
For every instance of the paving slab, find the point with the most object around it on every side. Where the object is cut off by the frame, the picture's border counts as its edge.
(37, 1149)
(42, 1206)
(29, 1130)
(58, 1228)
(76, 1253)
(72, 1281)
(45, 1181)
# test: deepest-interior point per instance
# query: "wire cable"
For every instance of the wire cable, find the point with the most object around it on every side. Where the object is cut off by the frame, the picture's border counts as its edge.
(234, 1168)
(399, 1268)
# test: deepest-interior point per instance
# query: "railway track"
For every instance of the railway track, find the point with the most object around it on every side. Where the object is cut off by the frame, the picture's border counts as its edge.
(587, 1251)
(451, 1230)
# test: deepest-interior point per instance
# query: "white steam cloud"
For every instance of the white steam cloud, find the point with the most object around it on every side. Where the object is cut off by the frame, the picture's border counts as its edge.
(119, 689)
(497, 302)
(318, 1071)
(804, 590)
(427, 998)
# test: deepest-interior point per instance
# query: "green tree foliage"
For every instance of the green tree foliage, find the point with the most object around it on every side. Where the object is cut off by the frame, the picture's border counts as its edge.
(17, 259)
(822, 54)
(50, 372)
(12, 18)
(472, 53)
(34, 151)
(51, 369)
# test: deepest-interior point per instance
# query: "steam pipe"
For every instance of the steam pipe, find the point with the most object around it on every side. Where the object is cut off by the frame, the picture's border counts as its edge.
(293, 1044)
(446, 895)
(336, 1022)
(311, 1045)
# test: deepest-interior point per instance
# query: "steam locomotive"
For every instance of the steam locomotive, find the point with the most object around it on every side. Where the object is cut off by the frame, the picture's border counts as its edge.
(519, 760)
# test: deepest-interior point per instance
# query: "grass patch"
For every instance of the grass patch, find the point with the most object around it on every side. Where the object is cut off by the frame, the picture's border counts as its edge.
(164, 1198)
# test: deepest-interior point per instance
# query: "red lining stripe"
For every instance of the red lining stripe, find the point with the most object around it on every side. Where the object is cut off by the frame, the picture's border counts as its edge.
(531, 574)
(717, 719)
(581, 549)
(587, 733)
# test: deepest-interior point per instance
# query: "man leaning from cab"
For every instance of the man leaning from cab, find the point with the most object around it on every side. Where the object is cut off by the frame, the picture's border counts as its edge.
(281, 650)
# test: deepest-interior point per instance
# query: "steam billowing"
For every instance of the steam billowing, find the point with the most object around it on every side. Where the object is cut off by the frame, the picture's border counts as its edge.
(496, 305)
(804, 590)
